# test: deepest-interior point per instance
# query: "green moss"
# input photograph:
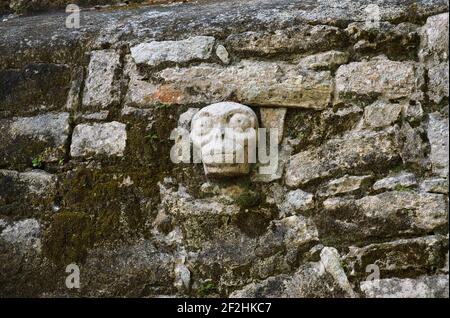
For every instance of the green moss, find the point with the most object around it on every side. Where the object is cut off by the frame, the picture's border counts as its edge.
(68, 238)
(248, 199)
(207, 288)
(402, 188)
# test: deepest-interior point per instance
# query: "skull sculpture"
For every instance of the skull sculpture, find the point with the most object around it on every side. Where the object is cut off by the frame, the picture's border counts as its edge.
(224, 134)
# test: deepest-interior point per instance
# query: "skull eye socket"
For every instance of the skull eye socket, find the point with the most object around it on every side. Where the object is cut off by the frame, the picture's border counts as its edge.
(203, 125)
(240, 122)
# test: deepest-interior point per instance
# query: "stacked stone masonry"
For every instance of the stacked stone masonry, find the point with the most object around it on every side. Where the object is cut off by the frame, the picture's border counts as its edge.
(361, 185)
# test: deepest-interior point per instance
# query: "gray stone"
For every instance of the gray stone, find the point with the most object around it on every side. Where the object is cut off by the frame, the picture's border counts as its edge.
(27, 138)
(101, 87)
(436, 185)
(438, 85)
(325, 278)
(36, 188)
(325, 60)
(389, 214)
(427, 211)
(273, 118)
(201, 220)
(354, 150)
(414, 149)
(397, 40)
(415, 256)
(38, 182)
(183, 277)
(155, 53)
(331, 260)
(413, 111)
(99, 139)
(423, 287)
(249, 82)
(296, 201)
(438, 137)
(25, 233)
(222, 54)
(291, 40)
(434, 40)
(139, 93)
(97, 116)
(297, 231)
(377, 77)
(33, 87)
(381, 114)
(346, 184)
(400, 180)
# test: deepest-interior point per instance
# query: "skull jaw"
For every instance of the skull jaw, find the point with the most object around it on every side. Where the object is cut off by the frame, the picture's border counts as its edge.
(226, 169)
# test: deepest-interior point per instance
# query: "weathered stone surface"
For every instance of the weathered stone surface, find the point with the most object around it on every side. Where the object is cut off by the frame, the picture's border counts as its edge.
(273, 118)
(25, 233)
(389, 214)
(400, 180)
(414, 149)
(438, 137)
(325, 278)
(202, 219)
(326, 60)
(36, 188)
(381, 114)
(223, 54)
(401, 258)
(438, 82)
(352, 151)
(429, 209)
(155, 53)
(99, 139)
(437, 185)
(434, 40)
(296, 201)
(252, 82)
(377, 77)
(101, 87)
(35, 87)
(292, 40)
(424, 287)
(110, 270)
(28, 138)
(398, 41)
(346, 184)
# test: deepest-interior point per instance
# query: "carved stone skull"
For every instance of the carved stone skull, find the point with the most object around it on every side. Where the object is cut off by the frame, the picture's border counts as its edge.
(225, 135)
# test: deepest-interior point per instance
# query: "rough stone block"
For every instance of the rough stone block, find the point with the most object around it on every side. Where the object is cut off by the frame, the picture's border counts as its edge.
(108, 139)
(438, 82)
(101, 87)
(253, 82)
(42, 87)
(377, 77)
(434, 40)
(400, 258)
(352, 151)
(155, 53)
(41, 137)
(423, 287)
(438, 137)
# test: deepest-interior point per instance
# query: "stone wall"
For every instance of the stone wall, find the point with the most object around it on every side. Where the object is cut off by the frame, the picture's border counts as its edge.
(362, 184)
